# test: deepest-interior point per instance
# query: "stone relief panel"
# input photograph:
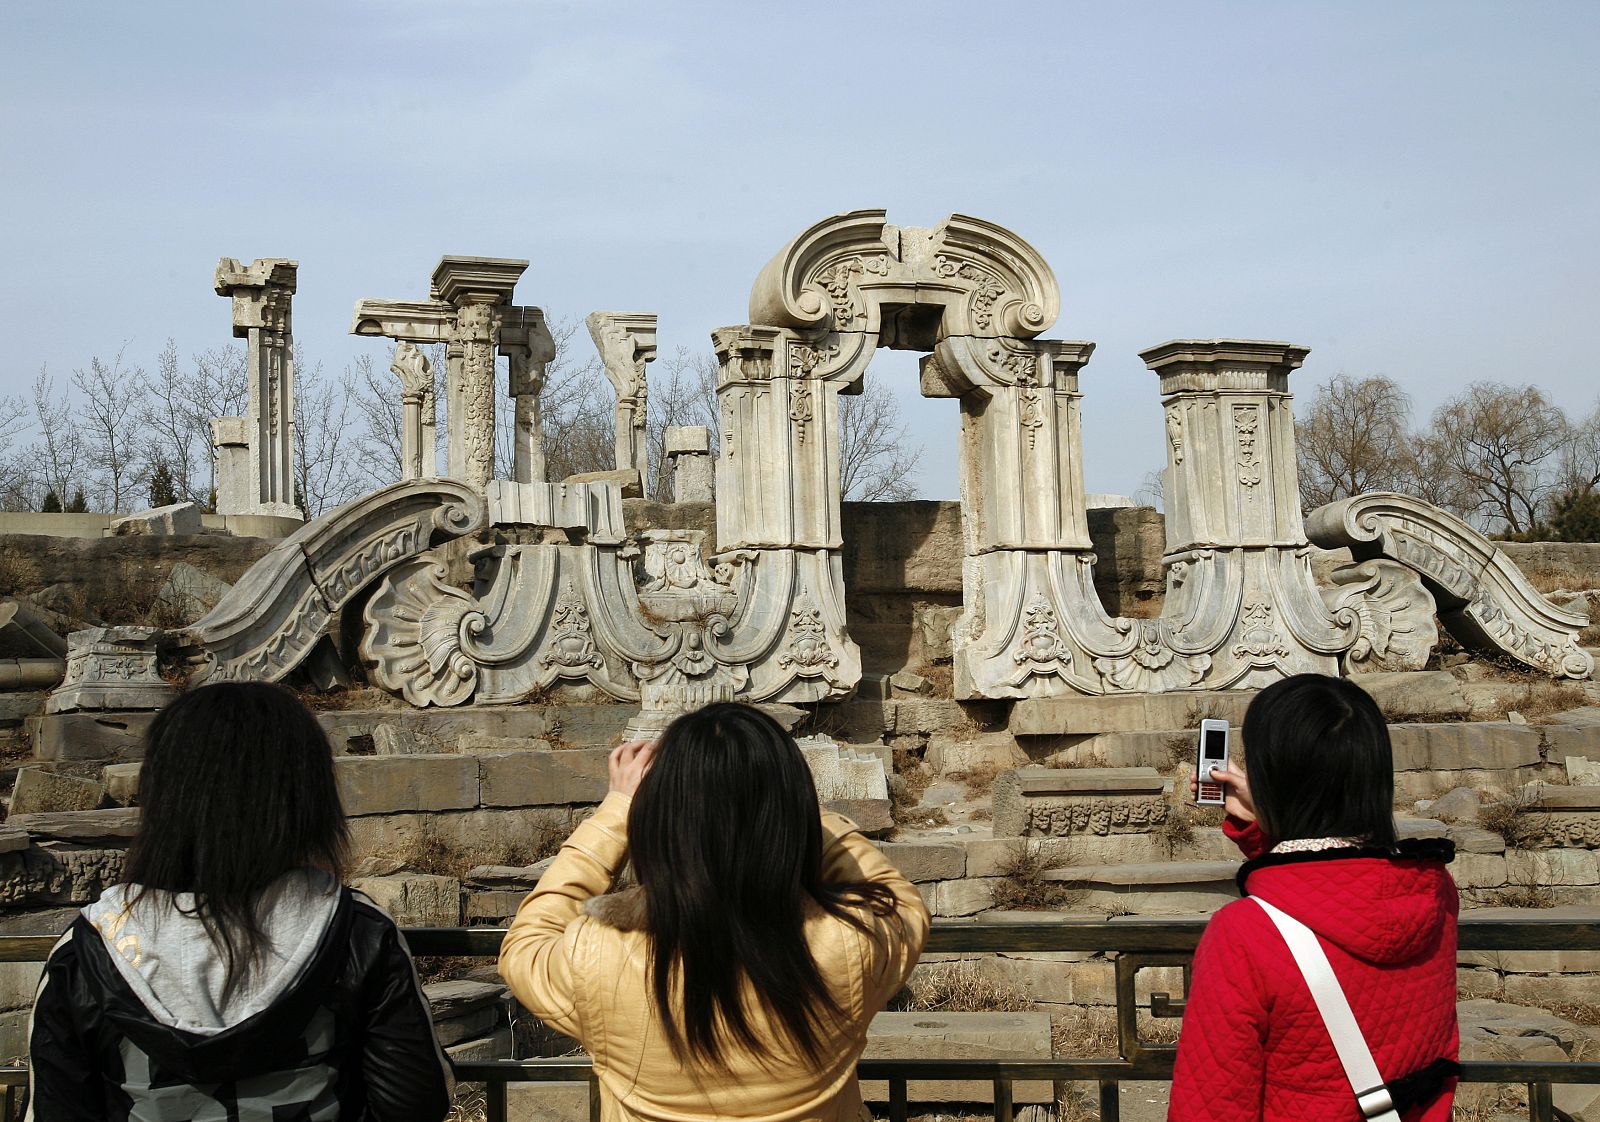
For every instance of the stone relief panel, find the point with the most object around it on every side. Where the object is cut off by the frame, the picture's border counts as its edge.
(1045, 802)
(1483, 599)
(1398, 628)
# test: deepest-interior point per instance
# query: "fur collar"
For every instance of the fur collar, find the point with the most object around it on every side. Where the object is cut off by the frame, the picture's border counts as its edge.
(622, 910)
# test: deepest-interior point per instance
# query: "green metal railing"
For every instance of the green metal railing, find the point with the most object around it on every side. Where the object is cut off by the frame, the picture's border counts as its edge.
(1139, 943)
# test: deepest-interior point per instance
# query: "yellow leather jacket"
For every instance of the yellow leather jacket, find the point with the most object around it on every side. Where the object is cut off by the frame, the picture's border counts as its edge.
(579, 960)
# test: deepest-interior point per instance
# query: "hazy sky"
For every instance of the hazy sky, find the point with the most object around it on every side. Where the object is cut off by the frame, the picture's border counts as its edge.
(1409, 189)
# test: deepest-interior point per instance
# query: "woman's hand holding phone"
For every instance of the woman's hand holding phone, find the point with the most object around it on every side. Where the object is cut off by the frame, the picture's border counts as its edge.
(1235, 785)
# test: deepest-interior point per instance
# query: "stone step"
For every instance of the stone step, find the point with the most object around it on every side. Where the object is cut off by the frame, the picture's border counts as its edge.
(963, 1036)
(1068, 716)
(1157, 888)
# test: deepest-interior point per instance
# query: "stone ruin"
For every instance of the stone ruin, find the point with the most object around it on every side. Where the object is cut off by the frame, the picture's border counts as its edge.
(561, 593)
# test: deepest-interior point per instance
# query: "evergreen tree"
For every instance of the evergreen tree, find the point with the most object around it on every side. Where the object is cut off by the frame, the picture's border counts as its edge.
(79, 504)
(162, 490)
(1576, 516)
(51, 504)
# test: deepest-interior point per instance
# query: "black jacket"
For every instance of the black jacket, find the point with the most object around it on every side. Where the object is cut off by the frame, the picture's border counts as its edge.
(351, 1040)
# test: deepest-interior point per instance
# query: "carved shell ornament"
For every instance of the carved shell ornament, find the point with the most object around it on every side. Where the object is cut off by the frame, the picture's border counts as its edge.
(808, 648)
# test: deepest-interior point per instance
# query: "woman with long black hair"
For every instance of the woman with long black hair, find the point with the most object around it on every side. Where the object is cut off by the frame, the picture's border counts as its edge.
(738, 978)
(231, 976)
(1329, 891)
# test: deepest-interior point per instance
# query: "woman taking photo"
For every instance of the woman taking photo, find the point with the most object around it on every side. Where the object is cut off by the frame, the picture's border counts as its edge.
(1313, 812)
(231, 976)
(739, 977)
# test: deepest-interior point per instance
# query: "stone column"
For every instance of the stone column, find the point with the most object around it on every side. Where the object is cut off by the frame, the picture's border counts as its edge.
(627, 342)
(262, 295)
(230, 450)
(479, 290)
(688, 447)
(419, 413)
(1239, 582)
(526, 341)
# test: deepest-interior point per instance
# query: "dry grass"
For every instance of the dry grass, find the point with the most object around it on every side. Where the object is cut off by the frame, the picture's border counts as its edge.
(960, 987)
(1539, 697)
(1023, 887)
(1578, 1012)
(1177, 830)
(442, 968)
(1505, 818)
(905, 794)
(471, 1104)
(1181, 750)
(1092, 1033)
(979, 778)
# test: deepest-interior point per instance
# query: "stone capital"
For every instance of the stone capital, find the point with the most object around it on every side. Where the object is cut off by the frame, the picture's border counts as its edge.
(261, 292)
(462, 280)
(1210, 365)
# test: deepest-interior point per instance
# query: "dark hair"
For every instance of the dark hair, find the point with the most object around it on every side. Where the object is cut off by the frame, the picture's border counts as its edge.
(726, 838)
(236, 790)
(1319, 762)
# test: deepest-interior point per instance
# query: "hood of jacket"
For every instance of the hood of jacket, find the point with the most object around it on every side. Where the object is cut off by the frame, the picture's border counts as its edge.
(1381, 906)
(179, 973)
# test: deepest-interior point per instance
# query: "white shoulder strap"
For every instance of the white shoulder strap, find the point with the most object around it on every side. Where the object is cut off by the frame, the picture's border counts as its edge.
(1371, 1095)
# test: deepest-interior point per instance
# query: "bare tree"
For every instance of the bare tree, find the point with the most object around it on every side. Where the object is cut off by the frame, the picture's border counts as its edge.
(109, 400)
(1152, 489)
(1499, 441)
(375, 397)
(218, 386)
(16, 474)
(876, 459)
(175, 435)
(58, 451)
(684, 392)
(325, 469)
(576, 407)
(1580, 457)
(1354, 439)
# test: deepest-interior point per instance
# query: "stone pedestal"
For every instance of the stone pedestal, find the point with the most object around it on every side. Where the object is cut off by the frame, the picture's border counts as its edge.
(688, 448)
(111, 668)
(230, 450)
(262, 294)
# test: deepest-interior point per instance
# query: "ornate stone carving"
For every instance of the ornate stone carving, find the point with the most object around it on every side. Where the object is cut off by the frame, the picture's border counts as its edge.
(1483, 599)
(571, 641)
(419, 415)
(1152, 666)
(1562, 817)
(627, 342)
(111, 668)
(1040, 648)
(807, 650)
(1246, 422)
(273, 615)
(422, 626)
(469, 310)
(1035, 801)
(1398, 630)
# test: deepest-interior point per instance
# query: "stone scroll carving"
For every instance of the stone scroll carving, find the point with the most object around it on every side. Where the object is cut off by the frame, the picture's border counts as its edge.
(1483, 599)
(273, 616)
(1398, 628)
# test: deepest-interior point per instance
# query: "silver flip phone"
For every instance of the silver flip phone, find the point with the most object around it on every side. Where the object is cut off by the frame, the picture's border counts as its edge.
(1213, 753)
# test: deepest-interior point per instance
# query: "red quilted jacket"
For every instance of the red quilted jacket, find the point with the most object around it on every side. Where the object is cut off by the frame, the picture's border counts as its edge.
(1253, 1044)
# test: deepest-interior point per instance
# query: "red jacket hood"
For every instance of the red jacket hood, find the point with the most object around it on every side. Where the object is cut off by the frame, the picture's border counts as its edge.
(1381, 908)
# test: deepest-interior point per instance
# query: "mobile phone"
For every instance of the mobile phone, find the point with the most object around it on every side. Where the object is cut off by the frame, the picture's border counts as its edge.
(1213, 753)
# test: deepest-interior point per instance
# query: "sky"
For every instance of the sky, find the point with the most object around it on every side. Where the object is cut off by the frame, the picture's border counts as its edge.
(1409, 189)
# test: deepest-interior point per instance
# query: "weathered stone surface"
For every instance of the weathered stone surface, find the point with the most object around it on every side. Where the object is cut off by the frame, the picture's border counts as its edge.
(46, 921)
(626, 481)
(415, 899)
(521, 878)
(111, 668)
(495, 1046)
(1163, 888)
(490, 908)
(1063, 716)
(179, 518)
(112, 826)
(1479, 870)
(13, 840)
(1061, 802)
(1493, 746)
(78, 737)
(18, 981)
(548, 1102)
(457, 997)
(40, 790)
(1552, 867)
(121, 782)
(925, 861)
(477, 834)
(1421, 694)
(26, 633)
(1398, 628)
(841, 772)
(468, 1026)
(1458, 805)
(947, 756)
(1472, 839)
(394, 784)
(871, 816)
(988, 857)
(1582, 771)
(536, 778)
(964, 1036)
(57, 873)
(191, 592)
(964, 897)
(1563, 816)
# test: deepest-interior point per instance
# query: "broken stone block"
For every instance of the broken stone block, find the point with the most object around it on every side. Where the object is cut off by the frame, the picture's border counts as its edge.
(920, 861)
(625, 480)
(111, 668)
(191, 592)
(76, 737)
(1458, 805)
(113, 826)
(871, 816)
(933, 622)
(463, 1010)
(24, 633)
(841, 772)
(909, 681)
(959, 1036)
(57, 873)
(415, 899)
(548, 1102)
(495, 1046)
(13, 839)
(1563, 816)
(122, 782)
(490, 909)
(964, 897)
(179, 518)
(1419, 694)
(396, 740)
(507, 877)
(1060, 802)
(39, 790)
